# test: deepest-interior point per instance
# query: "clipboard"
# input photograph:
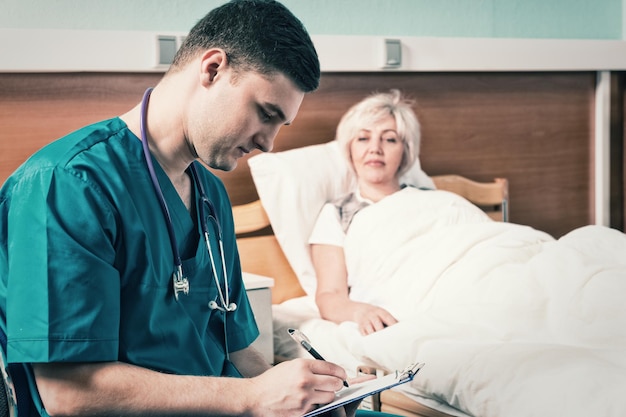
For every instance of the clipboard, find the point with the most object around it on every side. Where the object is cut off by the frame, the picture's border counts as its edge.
(359, 391)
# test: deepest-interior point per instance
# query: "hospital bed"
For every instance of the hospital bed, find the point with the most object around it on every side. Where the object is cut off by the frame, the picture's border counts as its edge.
(510, 321)
(261, 254)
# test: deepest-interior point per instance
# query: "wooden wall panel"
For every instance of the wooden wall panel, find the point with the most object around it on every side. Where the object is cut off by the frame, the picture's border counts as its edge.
(37, 108)
(533, 128)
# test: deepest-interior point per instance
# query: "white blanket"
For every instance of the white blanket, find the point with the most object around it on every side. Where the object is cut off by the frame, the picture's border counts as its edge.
(509, 321)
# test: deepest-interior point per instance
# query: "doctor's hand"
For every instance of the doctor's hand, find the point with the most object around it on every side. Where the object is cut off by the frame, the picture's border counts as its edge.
(371, 319)
(296, 387)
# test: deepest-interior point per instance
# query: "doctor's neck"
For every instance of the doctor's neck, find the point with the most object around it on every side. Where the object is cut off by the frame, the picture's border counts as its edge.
(164, 132)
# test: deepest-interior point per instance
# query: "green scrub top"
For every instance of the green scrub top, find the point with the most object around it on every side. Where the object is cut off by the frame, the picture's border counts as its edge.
(86, 263)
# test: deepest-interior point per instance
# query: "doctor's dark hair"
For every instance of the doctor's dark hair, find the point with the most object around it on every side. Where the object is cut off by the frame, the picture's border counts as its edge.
(370, 111)
(259, 35)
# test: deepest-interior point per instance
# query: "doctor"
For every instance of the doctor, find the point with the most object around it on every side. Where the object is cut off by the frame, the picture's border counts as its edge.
(110, 296)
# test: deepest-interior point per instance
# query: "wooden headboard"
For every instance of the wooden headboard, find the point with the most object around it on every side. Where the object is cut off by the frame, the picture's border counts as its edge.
(534, 128)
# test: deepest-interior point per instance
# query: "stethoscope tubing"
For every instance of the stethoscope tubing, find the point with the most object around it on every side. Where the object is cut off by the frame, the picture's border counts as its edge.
(179, 279)
(153, 177)
(212, 215)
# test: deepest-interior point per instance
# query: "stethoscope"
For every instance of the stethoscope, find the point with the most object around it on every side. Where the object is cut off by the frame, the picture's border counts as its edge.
(206, 210)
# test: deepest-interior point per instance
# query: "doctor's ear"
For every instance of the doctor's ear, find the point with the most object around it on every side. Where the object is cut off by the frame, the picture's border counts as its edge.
(212, 62)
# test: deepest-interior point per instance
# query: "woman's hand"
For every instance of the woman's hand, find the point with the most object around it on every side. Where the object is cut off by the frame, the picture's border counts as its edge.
(332, 295)
(371, 318)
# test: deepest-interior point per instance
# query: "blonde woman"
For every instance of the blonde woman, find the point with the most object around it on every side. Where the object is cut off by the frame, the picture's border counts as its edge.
(380, 138)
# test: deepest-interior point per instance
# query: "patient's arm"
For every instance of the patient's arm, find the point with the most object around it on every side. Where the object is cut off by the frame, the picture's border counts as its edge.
(332, 295)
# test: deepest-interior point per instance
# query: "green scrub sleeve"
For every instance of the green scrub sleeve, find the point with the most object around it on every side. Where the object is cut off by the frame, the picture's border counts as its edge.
(61, 250)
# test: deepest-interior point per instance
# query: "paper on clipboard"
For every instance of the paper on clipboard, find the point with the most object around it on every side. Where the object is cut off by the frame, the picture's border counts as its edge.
(359, 391)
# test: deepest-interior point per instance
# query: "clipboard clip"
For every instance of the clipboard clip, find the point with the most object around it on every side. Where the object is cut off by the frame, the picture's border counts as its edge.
(409, 372)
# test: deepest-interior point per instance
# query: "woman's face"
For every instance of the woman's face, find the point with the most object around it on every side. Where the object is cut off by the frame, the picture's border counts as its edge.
(377, 152)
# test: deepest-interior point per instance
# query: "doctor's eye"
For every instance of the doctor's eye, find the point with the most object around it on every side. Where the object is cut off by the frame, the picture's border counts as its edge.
(264, 115)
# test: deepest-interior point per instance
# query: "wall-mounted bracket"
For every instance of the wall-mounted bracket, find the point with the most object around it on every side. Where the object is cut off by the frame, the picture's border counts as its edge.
(392, 53)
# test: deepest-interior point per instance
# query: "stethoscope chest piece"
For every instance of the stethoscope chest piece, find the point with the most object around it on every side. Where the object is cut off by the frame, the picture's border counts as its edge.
(179, 282)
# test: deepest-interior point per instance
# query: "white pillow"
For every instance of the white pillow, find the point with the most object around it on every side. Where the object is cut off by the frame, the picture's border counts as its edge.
(294, 185)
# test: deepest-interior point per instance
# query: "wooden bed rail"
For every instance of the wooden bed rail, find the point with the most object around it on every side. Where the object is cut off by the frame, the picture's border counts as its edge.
(263, 255)
(492, 197)
(250, 217)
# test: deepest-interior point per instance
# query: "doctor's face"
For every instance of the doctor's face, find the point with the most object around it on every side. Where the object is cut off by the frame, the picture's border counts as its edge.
(377, 152)
(239, 114)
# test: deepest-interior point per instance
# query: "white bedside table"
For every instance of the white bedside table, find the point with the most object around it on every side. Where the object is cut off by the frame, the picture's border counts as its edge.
(259, 290)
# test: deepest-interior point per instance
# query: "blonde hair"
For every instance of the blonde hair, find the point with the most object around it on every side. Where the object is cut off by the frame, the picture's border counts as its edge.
(371, 110)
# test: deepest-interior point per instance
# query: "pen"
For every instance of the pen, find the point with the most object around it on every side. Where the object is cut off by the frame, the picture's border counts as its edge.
(304, 341)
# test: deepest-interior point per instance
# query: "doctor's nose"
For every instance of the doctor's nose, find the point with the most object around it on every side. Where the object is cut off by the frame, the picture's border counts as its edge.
(264, 140)
(263, 143)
